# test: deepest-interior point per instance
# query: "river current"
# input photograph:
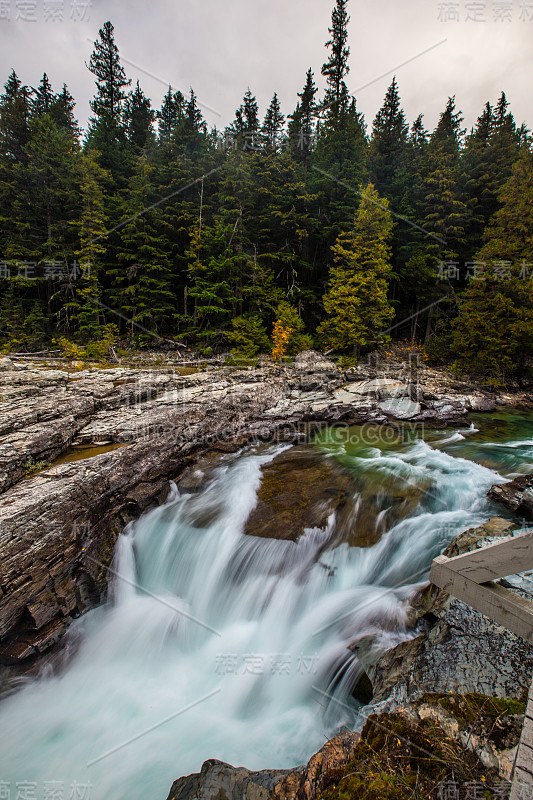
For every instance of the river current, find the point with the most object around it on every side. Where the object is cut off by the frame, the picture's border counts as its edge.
(215, 644)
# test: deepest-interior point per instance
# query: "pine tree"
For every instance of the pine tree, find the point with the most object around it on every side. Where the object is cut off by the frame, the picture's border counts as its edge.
(193, 115)
(62, 111)
(477, 178)
(139, 119)
(335, 70)
(106, 127)
(302, 121)
(339, 168)
(445, 212)
(228, 274)
(43, 97)
(85, 313)
(249, 336)
(490, 152)
(494, 330)
(246, 124)
(356, 300)
(15, 201)
(388, 147)
(282, 224)
(54, 189)
(411, 273)
(171, 114)
(15, 114)
(142, 280)
(273, 125)
(443, 217)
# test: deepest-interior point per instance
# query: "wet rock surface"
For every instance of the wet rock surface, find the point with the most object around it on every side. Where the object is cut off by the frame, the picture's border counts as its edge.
(472, 738)
(517, 495)
(299, 490)
(59, 522)
(454, 648)
(220, 781)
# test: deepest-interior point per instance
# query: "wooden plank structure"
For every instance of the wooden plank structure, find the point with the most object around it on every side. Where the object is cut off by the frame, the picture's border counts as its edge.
(471, 578)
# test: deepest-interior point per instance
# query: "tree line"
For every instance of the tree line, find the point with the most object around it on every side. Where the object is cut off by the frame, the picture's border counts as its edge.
(273, 232)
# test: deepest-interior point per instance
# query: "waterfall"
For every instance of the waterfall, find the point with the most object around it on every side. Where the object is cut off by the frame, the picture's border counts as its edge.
(215, 644)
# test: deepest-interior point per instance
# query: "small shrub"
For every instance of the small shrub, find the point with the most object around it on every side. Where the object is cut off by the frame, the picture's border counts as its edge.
(249, 335)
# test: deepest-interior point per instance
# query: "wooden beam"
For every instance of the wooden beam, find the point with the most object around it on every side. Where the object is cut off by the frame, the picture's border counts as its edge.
(514, 554)
(523, 771)
(499, 604)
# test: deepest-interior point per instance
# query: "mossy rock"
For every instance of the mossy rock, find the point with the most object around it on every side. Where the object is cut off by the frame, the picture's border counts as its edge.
(398, 758)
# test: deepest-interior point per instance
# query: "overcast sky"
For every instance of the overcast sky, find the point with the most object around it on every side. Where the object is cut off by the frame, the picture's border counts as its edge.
(222, 47)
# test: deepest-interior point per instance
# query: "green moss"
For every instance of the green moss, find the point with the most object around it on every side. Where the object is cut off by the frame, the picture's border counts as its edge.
(470, 708)
(397, 759)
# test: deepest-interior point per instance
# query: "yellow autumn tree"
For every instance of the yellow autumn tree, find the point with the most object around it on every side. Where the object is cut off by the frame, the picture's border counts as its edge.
(288, 335)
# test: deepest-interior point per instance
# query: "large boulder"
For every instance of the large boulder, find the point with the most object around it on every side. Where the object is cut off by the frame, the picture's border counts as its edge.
(453, 647)
(311, 361)
(307, 783)
(480, 402)
(517, 495)
(220, 781)
(400, 408)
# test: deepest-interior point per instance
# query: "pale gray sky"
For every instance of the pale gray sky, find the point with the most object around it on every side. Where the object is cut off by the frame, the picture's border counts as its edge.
(220, 47)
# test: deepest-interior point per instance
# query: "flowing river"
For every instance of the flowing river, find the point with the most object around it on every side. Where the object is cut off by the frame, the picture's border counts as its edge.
(215, 644)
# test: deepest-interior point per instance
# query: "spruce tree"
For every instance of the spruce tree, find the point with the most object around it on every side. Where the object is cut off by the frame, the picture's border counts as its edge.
(16, 214)
(356, 300)
(142, 278)
(246, 123)
(445, 212)
(106, 127)
(340, 156)
(53, 189)
(338, 169)
(85, 313)
(442, 215)
(170, 115)
(193, 115)
(493, 334)
(14, 122)
(62, 111)
(139, 119)
(490, 152)
(335, 70)
(387, 148)
(43, 97)
(302, 121)
(273, 125)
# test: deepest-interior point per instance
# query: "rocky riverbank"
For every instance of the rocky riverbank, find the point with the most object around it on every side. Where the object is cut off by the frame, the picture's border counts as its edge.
(85, 451)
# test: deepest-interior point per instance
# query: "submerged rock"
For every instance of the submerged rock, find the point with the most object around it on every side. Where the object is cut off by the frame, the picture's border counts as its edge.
(299, 489)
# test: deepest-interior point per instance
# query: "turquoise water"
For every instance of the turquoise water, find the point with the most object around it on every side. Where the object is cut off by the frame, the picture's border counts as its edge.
(220, 645)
